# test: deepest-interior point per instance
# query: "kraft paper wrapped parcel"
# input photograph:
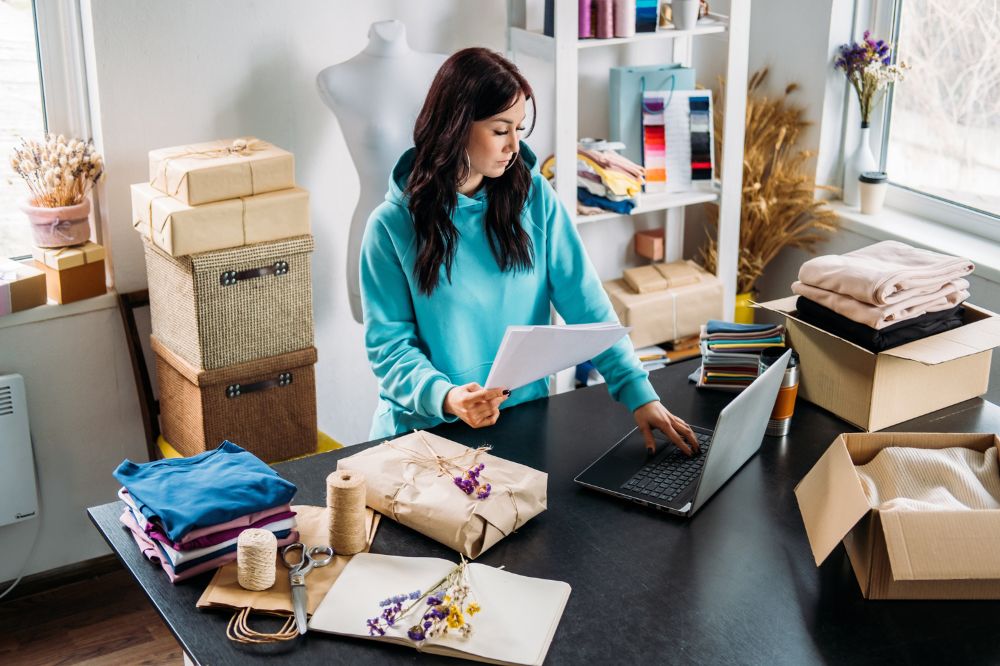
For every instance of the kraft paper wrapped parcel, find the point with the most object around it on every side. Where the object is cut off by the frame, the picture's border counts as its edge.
(411, 480)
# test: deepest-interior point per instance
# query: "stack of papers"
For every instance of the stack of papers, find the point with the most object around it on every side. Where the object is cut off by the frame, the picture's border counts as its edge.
(529, 353)
(730, 352)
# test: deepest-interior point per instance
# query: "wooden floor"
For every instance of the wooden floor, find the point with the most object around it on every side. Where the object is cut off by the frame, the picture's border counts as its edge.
(105, 620)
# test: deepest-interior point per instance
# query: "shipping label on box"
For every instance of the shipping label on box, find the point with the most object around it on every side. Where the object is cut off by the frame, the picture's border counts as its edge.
(875, 391)
(181, 230)
(218, 170)
(915, 554)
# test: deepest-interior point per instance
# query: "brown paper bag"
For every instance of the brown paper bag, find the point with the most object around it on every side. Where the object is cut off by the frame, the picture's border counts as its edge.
(411, 480)
(225, 592)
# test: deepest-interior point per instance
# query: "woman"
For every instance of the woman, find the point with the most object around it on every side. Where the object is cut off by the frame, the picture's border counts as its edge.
(470, 239)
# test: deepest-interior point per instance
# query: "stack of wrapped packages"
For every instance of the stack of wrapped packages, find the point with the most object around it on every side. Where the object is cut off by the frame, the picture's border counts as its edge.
(186, 514)
(228, 260)
(605, 180)
(730, 353)
(883, 295)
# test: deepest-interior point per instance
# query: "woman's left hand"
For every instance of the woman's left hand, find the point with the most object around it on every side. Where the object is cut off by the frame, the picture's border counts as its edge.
(655, 415)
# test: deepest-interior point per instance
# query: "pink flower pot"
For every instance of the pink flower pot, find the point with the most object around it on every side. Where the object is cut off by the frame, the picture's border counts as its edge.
(59, 227)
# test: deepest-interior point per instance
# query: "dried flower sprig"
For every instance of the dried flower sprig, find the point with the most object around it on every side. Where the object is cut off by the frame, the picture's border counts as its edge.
(779, 206)
(57, 170)
(868, 66)
(445, 607)
(469, 482)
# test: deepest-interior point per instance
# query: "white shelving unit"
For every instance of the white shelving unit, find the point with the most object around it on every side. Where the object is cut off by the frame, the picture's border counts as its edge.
(562, 51)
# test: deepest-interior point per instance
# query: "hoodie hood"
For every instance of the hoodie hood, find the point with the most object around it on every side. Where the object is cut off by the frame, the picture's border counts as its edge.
(401, 174)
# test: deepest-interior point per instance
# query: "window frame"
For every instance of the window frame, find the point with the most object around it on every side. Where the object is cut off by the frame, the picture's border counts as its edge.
(886, 16)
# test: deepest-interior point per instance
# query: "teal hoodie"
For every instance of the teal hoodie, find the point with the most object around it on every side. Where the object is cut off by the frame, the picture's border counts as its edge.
(420, 347)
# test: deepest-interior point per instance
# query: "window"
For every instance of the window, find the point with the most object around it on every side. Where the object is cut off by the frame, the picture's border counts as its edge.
(21, 114)
(942, 142)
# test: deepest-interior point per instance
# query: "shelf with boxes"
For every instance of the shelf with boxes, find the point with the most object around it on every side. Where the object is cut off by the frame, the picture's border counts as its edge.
(228, 260)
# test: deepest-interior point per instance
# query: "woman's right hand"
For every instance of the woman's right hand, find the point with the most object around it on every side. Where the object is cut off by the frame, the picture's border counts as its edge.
(475, 405)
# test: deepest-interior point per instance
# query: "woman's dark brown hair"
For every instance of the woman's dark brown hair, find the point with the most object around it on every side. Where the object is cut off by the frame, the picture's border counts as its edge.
(473, 84)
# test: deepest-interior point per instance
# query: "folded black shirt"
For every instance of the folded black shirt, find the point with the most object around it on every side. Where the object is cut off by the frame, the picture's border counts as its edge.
(879, 340)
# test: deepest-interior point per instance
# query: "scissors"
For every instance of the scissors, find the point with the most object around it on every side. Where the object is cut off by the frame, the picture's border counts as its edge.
(316, 556)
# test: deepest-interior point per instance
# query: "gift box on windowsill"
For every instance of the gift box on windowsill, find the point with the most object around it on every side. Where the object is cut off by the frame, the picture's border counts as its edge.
(218, 170)
(179, 229)
(72, 273)
(21, 286)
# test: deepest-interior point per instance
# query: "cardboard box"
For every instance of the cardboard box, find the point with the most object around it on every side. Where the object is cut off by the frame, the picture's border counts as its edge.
(180, 230)
(22, 286)
(670, 314)
(218, 170)
(900, 554)
(650, 244)
(72, 273)
(875, 391)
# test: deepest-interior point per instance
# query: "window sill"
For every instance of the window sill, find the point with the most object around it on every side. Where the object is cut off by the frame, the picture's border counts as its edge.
(56, 311)
(891, 224)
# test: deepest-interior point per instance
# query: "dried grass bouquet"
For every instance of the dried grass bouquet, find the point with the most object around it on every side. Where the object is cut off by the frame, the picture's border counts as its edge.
(59, 171)
(779, 207)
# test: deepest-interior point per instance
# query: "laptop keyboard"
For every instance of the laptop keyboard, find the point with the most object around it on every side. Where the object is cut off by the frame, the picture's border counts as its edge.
(665, 479)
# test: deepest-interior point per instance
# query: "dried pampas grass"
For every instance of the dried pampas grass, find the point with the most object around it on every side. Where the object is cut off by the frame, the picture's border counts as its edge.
(779, 207)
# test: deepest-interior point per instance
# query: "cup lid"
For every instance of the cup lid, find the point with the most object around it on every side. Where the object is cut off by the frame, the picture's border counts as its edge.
(873, 177)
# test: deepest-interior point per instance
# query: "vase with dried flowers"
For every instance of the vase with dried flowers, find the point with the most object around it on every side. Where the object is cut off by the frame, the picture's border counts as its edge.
(869, 69)
(779, 208)
(60, 173)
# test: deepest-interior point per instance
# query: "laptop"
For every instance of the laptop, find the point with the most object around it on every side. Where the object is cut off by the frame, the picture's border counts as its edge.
(671, 481)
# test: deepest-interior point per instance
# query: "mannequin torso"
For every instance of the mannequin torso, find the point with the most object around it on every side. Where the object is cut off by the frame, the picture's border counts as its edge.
(376, 96)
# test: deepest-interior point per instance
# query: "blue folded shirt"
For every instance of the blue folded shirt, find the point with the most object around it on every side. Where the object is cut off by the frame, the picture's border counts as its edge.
(717, 326)
(214, 487)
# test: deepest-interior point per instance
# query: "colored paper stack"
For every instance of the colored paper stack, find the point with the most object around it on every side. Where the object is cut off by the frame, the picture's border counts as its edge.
(228, 260)
(187, 514)
(730, 352)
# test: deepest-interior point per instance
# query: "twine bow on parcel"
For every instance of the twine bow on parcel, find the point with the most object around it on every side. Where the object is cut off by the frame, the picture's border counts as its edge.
(449, 467)
(240, 147)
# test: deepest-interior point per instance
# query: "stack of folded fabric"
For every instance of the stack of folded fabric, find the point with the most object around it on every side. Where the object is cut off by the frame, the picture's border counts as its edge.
(883, 295)
(187, 513)
(605, 180)
(730, 352)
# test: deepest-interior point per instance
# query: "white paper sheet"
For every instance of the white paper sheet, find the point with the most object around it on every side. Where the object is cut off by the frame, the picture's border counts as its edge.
(518, 619)
(528, 353)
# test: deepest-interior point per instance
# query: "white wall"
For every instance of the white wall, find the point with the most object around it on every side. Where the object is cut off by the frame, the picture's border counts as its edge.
(170, 73)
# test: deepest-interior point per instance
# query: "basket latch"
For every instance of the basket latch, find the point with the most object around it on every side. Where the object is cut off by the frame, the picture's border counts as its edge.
(236, 390)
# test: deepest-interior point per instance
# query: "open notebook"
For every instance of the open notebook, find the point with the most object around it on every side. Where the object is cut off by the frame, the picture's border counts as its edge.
(519, 614)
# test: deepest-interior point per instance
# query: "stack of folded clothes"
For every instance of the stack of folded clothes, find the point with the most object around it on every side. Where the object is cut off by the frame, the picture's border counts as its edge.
(605, 180)
(187, 513)
(730, 352)
(883, 295)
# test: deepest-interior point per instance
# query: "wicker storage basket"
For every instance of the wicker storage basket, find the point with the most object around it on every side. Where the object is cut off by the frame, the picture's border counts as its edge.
(267, 406)
(219, 308)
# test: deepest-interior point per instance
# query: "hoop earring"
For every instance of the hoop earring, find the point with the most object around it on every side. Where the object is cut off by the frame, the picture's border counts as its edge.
(468, 169)
(511, 163)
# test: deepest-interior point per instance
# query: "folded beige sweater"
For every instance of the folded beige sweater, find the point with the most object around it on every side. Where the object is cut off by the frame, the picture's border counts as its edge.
(952, 479)
(880, 316)
(884, 273)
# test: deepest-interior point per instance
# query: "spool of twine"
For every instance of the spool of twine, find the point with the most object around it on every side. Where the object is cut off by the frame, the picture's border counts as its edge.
(256, 554)
(345, 498)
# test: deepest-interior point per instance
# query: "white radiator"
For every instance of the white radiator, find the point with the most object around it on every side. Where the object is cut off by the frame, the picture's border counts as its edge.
(18, 496)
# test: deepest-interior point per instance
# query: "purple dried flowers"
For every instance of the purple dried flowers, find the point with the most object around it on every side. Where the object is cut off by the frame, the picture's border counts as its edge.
(446, 607)
(868, 66)
(469, 483)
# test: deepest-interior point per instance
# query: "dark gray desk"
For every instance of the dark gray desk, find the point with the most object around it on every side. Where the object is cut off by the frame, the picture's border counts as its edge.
(737, 584)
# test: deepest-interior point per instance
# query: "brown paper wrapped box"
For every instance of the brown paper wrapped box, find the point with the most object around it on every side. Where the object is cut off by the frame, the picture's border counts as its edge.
(22, 286)
(180, 230)
(669, 314)
(201, 173)
(411, 480)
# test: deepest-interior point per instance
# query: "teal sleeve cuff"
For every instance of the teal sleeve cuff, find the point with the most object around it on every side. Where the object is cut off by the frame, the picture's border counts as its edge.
(637, 393)
(433, 399)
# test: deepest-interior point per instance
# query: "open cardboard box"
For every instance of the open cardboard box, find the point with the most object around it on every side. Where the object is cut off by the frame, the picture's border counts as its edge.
(900, 554)
(875, 391)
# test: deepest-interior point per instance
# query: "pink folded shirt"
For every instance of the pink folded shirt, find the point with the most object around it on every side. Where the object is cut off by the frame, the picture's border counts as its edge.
(885, 273)
(149, 549)
(207, 536)
(878, 317)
